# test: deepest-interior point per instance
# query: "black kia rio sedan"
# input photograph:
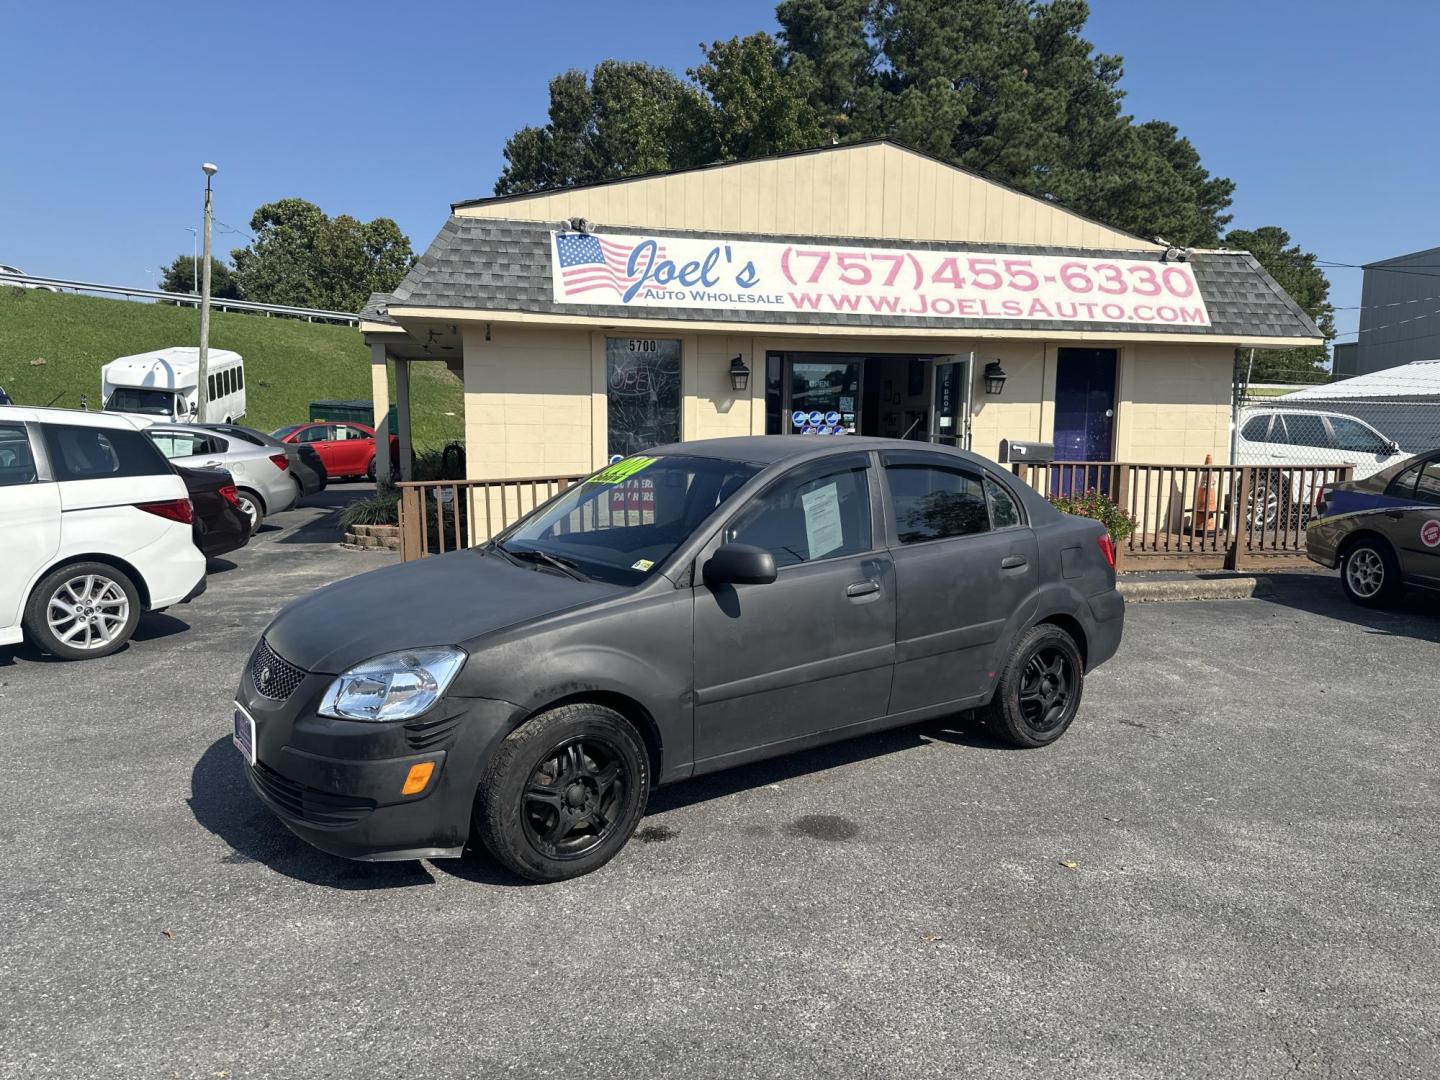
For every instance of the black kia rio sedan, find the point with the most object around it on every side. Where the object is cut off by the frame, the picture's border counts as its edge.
(688, 609)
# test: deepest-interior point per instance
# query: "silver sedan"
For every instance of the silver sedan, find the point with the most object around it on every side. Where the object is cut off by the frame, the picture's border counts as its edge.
(262, 474)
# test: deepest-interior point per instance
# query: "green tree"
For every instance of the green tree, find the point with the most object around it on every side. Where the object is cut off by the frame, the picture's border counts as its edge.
(1011, 88)
(303, 257)
(1296, 272)
(626, 119)
(179, 277)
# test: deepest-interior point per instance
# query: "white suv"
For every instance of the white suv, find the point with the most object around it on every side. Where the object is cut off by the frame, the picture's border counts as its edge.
(95, 527)
(1312, 437)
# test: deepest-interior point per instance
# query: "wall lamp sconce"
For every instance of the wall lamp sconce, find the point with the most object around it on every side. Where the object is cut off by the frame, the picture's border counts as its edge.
(994, 377)
(739, 375)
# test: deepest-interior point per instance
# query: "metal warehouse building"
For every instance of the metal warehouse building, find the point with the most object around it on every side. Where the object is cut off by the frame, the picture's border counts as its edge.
(865, 288)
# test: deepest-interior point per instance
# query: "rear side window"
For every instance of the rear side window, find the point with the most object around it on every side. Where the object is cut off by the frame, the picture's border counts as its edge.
(1403, 486)
(17, 462)
(92, 453)
(248, 436)
(1004, 514)
(1427, 487)
(930, 503)
(179, 444)
(1256, 429)
(1307, 431)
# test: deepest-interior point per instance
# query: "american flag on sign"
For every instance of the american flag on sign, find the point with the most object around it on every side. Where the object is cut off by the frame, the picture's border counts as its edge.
(589, 262)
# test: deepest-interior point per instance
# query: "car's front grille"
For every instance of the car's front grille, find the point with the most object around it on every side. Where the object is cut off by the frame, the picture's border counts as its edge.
(307, 804)
(274, 676)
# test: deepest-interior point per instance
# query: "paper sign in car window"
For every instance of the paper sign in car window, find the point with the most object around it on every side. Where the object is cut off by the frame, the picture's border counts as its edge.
(822, 520)
(622, 470)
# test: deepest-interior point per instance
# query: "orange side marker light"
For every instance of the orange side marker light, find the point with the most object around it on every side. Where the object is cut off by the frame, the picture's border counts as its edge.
(418, 778)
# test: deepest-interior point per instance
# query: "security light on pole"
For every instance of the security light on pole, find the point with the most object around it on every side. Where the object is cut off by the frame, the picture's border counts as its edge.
(202, 375)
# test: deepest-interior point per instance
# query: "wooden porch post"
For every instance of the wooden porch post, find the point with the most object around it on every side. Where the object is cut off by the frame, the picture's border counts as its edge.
(380, 398)
(1240, 518)
(402, 418)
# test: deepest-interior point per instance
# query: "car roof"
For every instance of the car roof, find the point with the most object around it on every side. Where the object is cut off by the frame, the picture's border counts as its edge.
(81, 417)
(773, 449)
(1253, 410)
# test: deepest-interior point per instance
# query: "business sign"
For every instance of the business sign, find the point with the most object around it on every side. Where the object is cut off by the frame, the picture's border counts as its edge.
(739, 276)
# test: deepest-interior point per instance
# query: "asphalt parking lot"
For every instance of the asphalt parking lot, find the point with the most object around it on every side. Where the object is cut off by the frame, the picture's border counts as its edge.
(1226, 869)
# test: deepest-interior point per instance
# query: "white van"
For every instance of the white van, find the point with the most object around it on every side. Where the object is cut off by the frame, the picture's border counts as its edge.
(159, 386)
(95, 527)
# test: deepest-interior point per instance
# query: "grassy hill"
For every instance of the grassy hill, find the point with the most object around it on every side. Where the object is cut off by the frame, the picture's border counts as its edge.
(288, 363)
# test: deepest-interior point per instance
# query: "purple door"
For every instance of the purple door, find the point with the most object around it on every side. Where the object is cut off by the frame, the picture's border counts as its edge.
(1085, 411)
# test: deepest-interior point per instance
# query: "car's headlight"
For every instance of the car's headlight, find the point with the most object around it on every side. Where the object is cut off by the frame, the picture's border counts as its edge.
(396, 686)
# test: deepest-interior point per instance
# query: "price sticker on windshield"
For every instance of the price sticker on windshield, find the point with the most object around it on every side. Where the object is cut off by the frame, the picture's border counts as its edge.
(622, 470)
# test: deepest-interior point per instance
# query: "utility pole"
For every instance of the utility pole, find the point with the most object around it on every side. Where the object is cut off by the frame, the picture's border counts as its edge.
(202, 383)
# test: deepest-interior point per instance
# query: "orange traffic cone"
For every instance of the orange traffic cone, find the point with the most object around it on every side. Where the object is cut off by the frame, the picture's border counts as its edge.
(1207, 502)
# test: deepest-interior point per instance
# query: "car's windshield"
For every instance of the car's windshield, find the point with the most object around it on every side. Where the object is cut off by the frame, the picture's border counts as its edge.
(136, 399)
(620, 524)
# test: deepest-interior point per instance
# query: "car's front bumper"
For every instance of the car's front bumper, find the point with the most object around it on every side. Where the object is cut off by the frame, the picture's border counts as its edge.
(337, 783)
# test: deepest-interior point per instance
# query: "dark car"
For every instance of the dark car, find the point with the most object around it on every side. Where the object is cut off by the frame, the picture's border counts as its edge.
(306, 467)
(347, 449)
(700, 606)
(220, 524)
(1383, 532)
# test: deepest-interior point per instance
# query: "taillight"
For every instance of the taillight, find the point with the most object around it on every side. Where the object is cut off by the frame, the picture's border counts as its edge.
(229, 493)
(282, 461)
(174, 509)
(1320, 498)
(1107, 548)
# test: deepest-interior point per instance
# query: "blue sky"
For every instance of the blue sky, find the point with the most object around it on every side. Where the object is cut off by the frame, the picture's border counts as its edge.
(1321, 111)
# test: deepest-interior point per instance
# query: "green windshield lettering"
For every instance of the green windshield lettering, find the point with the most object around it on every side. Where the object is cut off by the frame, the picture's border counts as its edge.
(622, 470)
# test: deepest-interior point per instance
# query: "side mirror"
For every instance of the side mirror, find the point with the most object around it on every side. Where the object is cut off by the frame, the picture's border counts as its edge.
(740, 564)
(1392, 446)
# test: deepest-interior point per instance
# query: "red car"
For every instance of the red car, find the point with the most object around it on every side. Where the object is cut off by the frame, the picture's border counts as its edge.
(347, 449)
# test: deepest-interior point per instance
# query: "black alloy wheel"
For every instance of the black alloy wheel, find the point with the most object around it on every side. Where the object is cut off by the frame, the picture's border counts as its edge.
(563, 792)
(1039, 691)
(1046, 686)
(573, 798)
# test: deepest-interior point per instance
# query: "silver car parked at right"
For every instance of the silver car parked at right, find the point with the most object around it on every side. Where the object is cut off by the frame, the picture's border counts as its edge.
(262, 478)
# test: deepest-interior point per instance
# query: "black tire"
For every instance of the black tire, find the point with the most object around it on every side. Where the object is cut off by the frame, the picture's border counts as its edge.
(370, 471)
(1270, 501)
(108, 611)
(571, 750)
(253, 507)
(1039, 691)
(1370, 573)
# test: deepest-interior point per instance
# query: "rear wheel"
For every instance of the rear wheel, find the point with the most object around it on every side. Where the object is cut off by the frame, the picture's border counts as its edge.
(1039, 690)
(251, 506)
(83, 611)
(563, 793)
(1370, 573)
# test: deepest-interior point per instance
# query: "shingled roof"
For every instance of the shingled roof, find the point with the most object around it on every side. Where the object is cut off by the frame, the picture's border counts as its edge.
(488, 264)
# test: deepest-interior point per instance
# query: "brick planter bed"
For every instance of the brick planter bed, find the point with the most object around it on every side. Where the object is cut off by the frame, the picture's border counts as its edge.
(371, 537)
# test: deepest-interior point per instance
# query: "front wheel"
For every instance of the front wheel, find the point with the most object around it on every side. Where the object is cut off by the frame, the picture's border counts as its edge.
(1039, 690)
(82, 611)
(563, 792)
(370, 471)
(1370, 574)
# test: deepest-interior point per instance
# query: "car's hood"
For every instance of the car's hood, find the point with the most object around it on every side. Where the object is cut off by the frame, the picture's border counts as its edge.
(443, 600)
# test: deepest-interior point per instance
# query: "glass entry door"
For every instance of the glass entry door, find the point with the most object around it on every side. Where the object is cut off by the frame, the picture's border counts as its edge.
(824, 397)
(950, 405)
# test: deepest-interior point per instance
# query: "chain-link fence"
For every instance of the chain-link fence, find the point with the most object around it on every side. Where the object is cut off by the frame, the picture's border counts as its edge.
(1369, 433)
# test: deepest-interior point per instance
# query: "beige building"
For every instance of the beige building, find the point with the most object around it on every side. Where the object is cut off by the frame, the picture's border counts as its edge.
(864, 288)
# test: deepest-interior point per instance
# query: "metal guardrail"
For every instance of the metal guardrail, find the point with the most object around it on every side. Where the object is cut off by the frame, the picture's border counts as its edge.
(184, 299)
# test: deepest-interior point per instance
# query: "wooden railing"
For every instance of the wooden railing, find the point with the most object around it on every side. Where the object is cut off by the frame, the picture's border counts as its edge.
(1187, 516)
(437, 516)
(1200, 516)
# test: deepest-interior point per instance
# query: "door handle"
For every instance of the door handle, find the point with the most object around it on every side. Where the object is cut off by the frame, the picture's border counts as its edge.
(862, 588)
(1013, 562)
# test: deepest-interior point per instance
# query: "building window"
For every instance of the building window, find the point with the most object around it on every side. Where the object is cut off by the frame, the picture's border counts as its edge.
(642, 393)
